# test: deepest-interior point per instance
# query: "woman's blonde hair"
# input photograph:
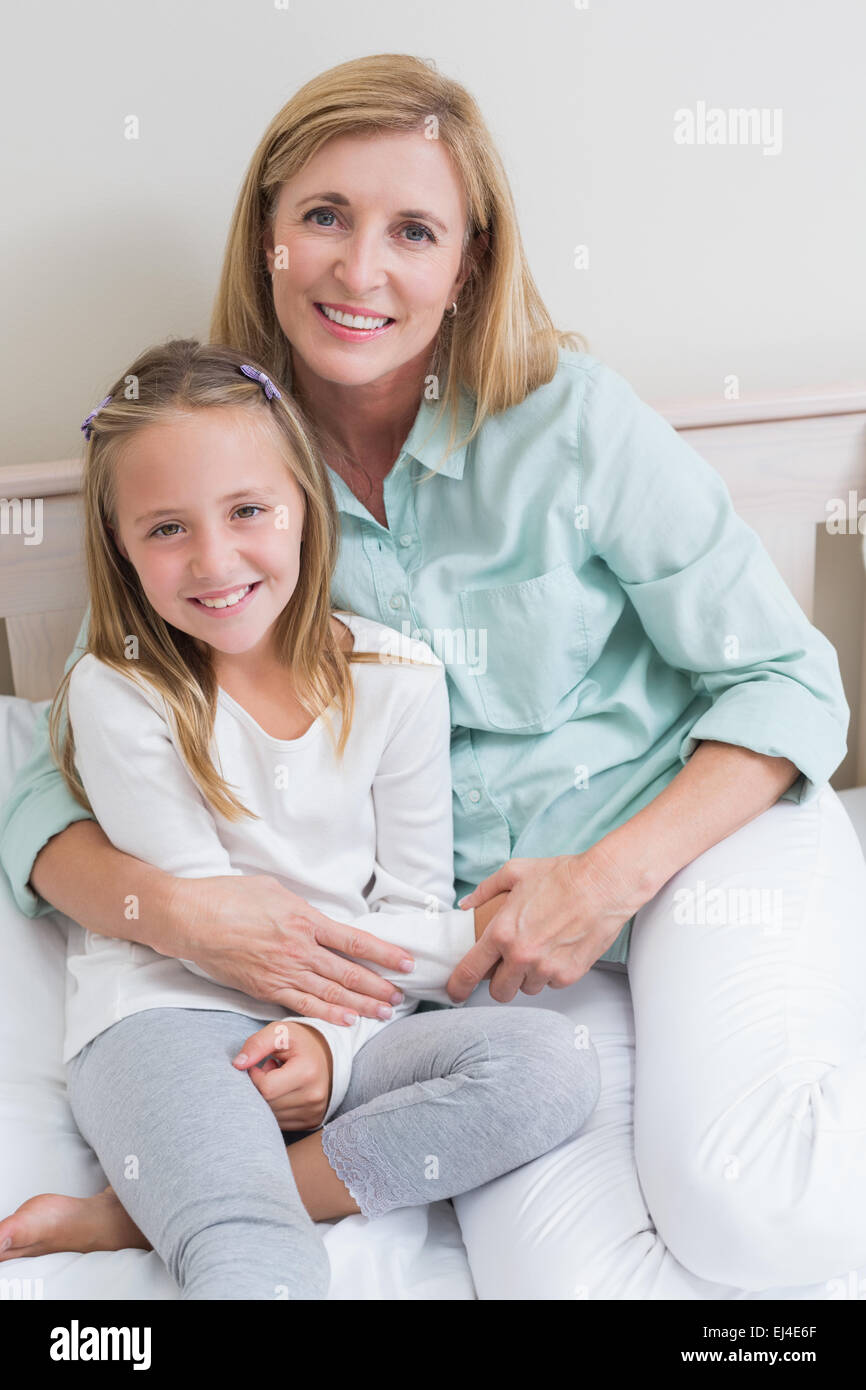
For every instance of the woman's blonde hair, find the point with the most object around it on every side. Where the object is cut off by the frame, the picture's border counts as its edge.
(127, 633)
(501, 344)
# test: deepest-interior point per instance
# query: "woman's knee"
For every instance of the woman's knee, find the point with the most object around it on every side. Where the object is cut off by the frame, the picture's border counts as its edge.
(753, 1235)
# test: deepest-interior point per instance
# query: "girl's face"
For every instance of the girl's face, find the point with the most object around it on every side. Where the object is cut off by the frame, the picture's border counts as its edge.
(206, 508)
(373, 226)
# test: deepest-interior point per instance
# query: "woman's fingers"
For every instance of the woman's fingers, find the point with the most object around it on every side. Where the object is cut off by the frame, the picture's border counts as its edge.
(324, 996)
(499, 882)
(362, 945)
(472, 969)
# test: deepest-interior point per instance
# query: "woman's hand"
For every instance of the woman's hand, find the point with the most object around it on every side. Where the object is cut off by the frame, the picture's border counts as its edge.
(560, 915)
(297, 1072)
(255, 935)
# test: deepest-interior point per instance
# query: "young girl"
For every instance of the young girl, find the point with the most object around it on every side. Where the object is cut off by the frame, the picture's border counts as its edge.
(202, 734)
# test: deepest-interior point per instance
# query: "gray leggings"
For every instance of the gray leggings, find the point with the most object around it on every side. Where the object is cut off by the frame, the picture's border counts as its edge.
(438, 1103)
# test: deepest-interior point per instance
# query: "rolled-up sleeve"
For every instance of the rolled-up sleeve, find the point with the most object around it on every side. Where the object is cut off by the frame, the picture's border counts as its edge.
(38, 806)
(706, 592)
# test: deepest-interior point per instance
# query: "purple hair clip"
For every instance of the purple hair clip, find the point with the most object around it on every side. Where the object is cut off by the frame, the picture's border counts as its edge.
(263, 380)
(86, 426)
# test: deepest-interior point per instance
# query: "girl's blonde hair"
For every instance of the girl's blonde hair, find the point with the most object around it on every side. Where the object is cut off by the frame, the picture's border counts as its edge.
(127, 633)
(501, 344)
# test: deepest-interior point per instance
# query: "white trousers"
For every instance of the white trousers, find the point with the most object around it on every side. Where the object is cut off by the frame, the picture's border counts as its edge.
(726, 1157)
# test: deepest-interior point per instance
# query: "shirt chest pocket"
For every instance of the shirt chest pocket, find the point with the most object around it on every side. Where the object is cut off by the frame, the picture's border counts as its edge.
(532, 644)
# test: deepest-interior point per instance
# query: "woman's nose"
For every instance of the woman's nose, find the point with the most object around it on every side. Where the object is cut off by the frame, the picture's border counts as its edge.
(359, 267)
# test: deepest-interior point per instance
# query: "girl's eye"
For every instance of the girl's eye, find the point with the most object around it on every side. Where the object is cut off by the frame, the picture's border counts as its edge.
(328, 212)
(247, 507)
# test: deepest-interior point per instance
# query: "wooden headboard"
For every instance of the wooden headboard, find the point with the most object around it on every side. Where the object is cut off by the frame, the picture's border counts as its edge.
(783, 458)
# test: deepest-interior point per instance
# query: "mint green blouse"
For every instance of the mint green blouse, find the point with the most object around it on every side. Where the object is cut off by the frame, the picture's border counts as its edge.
(599, 607)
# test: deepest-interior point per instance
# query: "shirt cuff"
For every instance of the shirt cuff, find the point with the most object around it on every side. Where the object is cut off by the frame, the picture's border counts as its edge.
(770, 717)
(25, 835)
(436, 943)
(342, 1055)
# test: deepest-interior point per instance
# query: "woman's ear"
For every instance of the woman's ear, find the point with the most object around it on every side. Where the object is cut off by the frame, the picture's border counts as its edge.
(477, 248)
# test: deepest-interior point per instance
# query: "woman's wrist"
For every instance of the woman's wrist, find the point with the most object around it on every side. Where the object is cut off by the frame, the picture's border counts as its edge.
(173, 915)
(633, 877)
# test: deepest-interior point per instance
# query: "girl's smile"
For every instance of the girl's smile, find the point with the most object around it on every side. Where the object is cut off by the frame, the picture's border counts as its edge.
(230, 602)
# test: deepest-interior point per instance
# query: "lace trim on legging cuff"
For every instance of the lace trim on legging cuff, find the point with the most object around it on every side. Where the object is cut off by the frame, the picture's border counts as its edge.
(353, 1154)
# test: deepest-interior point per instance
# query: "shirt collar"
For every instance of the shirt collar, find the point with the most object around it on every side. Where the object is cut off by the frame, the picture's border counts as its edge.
(417, 445)
(428, 450)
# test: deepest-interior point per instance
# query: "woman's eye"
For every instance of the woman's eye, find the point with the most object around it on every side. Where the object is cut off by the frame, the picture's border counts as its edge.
(328, 212)
(419, 227)
(164, 527)
(315, 213)
(250, 507)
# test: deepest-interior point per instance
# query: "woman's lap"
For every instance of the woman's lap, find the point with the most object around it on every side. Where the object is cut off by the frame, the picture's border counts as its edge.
(576, 1223)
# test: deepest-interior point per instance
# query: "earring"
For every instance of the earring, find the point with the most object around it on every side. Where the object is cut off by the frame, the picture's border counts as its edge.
(453, 310)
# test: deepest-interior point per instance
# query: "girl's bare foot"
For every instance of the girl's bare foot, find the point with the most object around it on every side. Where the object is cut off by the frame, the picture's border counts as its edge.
(52, 1222)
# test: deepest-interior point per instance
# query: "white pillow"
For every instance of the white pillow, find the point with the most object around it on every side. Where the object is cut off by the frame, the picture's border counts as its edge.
(40, 1147)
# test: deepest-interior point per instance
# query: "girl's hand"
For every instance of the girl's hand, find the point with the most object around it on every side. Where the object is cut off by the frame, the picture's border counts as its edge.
(252, 933)
(560, 916)
(297, 1074)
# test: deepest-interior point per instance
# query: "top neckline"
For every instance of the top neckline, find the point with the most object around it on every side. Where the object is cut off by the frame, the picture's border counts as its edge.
(317, 725)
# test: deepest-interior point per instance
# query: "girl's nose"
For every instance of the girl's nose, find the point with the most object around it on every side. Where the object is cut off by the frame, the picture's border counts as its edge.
(211, 560)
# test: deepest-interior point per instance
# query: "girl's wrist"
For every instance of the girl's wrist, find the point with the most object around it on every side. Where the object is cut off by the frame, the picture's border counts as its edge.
(486, 912)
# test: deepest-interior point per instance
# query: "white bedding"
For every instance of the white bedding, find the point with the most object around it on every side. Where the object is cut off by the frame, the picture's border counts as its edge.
(415, 1253)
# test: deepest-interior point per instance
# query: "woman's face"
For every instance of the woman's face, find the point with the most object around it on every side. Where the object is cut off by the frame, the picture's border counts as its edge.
(187, 537)
(372, 225)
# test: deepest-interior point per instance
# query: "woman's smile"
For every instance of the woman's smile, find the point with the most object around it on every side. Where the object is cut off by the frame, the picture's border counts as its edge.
(337, 321)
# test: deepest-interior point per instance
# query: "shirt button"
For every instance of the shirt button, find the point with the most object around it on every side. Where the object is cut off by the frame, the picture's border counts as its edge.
(475, 794)
(406, 539)
(397, 601)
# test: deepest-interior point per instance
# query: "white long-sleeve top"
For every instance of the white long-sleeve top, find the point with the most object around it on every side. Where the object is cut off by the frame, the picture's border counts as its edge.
(369, 841)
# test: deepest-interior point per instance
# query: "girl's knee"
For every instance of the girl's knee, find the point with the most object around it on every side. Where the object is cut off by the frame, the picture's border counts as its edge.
(554, 1064)
(250, 1258)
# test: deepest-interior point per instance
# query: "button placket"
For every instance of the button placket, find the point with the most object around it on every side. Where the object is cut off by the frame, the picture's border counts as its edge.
(386, 572)
(398, 506)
